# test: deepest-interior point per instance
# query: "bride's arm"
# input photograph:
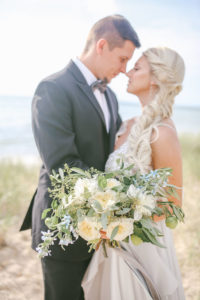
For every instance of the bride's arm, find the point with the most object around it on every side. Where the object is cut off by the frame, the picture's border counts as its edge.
(166, 153)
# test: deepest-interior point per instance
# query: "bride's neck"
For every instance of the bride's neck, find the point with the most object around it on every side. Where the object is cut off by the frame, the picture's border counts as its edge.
(146, 97)
(144, 101)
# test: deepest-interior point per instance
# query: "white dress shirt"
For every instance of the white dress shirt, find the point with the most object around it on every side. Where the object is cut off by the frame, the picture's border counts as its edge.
(90, 78)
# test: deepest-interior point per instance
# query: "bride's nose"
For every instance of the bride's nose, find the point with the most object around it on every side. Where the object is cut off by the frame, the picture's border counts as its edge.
(128, 74)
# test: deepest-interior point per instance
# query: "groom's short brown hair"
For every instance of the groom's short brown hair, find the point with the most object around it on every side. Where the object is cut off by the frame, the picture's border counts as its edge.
(115, 29)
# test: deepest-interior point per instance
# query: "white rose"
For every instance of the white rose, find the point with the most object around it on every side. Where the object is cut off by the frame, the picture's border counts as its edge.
(111, 183)
(82, 184)
(125, 228)
(144, 204)
(106, 199)
(132, 191)
(89, 228)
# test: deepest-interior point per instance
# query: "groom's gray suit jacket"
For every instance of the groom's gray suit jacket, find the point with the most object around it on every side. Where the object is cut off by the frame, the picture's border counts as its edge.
(69, 127)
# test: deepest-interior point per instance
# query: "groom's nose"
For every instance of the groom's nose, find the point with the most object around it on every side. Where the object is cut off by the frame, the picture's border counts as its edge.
(123, 68)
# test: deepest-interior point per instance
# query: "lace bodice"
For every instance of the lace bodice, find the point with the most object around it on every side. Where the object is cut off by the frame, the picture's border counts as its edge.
(125, 154)
(118, 155)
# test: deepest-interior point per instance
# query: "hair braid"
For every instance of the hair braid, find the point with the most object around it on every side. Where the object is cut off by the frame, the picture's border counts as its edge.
(167, 69)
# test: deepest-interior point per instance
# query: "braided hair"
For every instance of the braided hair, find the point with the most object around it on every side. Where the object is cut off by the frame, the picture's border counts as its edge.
(167, 69)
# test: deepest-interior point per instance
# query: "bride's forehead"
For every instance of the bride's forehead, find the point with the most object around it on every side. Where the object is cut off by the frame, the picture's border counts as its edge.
(142, 61)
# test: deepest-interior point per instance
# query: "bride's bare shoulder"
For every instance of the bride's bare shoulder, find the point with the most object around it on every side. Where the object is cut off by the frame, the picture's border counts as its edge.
(164, 131)
(165, 140)
(131, 121)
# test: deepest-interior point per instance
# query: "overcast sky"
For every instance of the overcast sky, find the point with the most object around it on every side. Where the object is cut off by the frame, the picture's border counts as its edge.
(38, 37)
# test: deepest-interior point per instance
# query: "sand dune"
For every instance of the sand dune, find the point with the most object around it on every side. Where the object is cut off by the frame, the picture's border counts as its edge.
(20, 271)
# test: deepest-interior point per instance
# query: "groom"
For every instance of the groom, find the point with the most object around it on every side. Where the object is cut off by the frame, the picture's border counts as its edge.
(75, 119)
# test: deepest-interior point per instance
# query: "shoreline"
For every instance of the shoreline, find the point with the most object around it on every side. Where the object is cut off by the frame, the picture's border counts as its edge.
(33, 159)
(27, 160)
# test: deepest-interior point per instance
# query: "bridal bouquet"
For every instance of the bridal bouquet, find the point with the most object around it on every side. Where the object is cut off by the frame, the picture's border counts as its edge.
(108, 208)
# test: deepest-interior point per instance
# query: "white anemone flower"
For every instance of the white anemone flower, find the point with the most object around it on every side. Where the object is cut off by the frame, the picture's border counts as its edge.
(111, 183)
(125, 228)
(133, 191)
(144, 204)
(89, 228)
(105, 199)
(85, 183)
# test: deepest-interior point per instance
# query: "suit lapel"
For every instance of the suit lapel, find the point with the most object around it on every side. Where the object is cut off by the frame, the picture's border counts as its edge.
(88, 92)
(113, 117)
(82, 83)
(86, 89)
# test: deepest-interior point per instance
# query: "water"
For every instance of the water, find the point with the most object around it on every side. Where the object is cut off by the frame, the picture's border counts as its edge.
(16, 138)
(187, 119)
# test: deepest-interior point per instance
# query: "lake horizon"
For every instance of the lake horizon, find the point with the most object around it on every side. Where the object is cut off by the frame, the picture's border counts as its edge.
(16, 138)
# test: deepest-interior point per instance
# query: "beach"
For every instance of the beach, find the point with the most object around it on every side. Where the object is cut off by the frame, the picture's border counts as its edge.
(20, 272)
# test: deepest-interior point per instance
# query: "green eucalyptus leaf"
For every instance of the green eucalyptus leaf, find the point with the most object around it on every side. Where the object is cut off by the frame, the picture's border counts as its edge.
(126, 240)
(114, 232)
(158, 211)
(152, 238)
(54, 173)
(97, 205)
(109, 175)
(126, 181)
(176, 195)
(80, 214)
(88, 174)
(130, 167)
(44, 214)
(104, 220)
(78, 171)
(54, 204)
(123, 211)
(102, 182)
(178, 213)
(91, 212)
(47, 222)
(122, 165)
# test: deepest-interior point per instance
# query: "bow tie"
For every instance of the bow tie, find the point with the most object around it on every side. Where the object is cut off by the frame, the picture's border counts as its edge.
(101, 85)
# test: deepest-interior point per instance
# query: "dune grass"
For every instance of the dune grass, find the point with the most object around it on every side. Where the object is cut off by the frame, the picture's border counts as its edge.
(18, 182)
(187, 236)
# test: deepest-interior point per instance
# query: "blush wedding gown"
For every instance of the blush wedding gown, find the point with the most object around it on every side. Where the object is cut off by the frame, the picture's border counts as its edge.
(142, 272)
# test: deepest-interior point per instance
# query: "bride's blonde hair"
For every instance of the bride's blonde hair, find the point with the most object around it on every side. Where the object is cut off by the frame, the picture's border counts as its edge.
(167, 70)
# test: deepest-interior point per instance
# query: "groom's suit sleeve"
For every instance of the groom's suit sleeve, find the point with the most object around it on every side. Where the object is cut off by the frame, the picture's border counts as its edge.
(52, 123)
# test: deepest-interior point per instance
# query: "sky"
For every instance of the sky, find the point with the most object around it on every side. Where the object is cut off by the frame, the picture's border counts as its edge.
(38, 38)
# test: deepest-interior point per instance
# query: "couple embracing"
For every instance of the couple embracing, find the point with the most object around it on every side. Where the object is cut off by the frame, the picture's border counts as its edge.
(76, 121)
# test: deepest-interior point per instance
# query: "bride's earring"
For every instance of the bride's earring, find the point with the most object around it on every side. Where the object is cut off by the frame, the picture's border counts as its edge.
(152, 90)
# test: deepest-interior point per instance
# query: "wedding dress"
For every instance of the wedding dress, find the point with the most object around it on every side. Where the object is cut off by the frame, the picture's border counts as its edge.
(142, 272)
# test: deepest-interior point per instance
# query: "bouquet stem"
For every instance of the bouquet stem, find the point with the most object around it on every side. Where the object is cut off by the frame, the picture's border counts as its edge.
(104, 248)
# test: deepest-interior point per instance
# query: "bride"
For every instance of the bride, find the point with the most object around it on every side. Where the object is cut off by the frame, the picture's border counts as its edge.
(149, 142)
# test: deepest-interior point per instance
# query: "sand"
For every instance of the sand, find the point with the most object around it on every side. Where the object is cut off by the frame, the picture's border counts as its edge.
(20, 270)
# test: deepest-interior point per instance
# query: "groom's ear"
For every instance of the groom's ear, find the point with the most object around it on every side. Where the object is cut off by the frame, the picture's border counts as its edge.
(100, 45)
